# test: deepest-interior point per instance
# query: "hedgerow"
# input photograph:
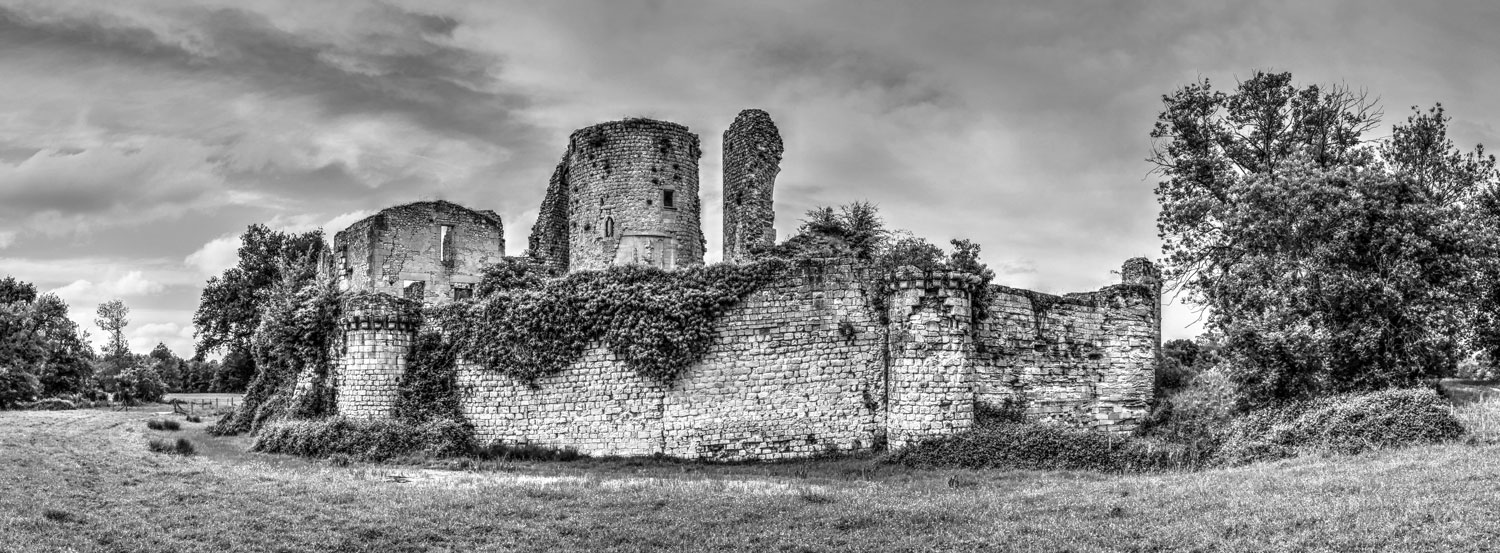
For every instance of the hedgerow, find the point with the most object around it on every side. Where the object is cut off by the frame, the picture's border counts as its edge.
(657, 322)
(366, 440)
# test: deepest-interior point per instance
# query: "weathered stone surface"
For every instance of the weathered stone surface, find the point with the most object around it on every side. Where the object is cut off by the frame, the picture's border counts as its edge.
(1086, 359)
(752, 158)
(626, 192)
(431, 250)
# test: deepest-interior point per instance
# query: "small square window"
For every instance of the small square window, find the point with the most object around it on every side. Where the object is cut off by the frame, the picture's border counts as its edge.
(462, 292)
(669, 199)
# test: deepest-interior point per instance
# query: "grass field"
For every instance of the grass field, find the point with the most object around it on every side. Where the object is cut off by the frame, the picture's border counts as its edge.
(84, 481)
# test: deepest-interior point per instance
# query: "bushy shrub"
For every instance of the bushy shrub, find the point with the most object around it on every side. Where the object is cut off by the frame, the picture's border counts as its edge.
(180, 446)
(1197, 416)
(1034, 446)
(1345, 424)
(528, 452)
(163, 424)
(140, 385)
(367, 440)
(16, 386)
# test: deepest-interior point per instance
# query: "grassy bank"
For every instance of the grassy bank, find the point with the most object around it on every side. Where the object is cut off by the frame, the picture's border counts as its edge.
(83, 480)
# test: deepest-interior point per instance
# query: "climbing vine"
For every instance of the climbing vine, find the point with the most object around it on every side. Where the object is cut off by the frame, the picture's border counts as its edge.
(657, 322)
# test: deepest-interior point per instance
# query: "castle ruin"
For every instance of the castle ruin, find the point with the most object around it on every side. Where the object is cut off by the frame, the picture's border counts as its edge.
(805, 365)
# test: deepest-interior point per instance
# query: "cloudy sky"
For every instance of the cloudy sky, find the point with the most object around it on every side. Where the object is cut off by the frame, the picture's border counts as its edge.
(138, 139)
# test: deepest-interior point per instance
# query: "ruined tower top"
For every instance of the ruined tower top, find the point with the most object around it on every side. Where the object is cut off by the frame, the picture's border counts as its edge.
(752, 159)
(626, 192)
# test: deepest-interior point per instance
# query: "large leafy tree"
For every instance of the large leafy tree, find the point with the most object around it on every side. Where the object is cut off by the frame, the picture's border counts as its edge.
(1328, 262)
(230, 309)
(38, 338)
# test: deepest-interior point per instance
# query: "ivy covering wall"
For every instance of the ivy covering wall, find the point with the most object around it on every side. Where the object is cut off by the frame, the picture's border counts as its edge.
(657, 322)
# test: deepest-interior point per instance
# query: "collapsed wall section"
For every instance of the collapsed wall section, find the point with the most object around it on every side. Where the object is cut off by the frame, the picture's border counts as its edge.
(796, 370)
(1085, 359)
(548, 242)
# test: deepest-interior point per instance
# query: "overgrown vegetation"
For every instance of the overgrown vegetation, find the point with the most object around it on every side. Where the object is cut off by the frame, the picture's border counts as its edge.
(365, 440)
(1204, 431)
(163, 424)
(657, 322)
(297, 335)
(179, 446)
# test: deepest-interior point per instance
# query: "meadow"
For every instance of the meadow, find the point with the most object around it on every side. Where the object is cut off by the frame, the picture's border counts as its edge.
(85, 481)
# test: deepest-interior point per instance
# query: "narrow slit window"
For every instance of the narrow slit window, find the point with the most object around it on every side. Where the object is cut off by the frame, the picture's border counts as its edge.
(609, 226)
(669, 199)
(445, 245)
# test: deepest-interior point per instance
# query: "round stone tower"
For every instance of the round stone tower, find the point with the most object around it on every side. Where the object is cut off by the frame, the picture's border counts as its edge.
(378, 331)
(631, 190)
(931, 382)
(752, 158)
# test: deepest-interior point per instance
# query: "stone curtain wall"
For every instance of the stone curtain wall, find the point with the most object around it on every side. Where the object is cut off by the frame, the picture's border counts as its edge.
(404, 244)
(1087, 359)
(805, 366)
(377, 337)
(752, 159)
(796, 370)
(608, 203)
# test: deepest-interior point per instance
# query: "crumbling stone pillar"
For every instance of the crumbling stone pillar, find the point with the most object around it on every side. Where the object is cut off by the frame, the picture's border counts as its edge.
(931, 370)
(378, 331)
(752, 158)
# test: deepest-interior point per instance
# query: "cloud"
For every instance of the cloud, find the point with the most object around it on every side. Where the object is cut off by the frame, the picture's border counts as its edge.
(178, 338)
(7, 238)
(215, 256)
(83, 292)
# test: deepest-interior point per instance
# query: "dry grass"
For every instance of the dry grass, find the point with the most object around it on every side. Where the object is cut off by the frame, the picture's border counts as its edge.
(83, 480)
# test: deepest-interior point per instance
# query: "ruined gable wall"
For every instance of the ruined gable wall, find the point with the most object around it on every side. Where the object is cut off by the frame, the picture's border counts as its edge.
(1086, 359)
(786, 378)
(404, 243)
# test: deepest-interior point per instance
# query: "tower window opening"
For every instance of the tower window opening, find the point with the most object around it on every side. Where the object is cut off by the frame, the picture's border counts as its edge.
(669, 199)
(739, 198)
(609, 226)
(445, 245)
